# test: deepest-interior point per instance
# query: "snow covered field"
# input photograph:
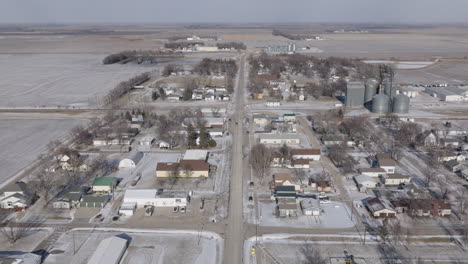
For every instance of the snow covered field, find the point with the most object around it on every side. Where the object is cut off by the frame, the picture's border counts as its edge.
(164, 247)
(22, 140)
(51, 80)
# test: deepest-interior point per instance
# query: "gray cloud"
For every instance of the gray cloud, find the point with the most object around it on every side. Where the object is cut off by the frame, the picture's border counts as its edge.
(232, 11)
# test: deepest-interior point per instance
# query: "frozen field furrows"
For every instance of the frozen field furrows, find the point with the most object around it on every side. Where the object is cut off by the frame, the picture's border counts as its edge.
(22, 140)
(50, 80)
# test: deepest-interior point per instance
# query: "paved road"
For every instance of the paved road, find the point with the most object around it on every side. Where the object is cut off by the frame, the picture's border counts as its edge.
(233, 246)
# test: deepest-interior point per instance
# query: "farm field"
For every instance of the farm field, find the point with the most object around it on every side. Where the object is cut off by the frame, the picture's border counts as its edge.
(444, 72)
(22, 140)
(52, 80)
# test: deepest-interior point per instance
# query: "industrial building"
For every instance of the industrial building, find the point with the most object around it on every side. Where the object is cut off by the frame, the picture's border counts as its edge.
(449, 94)
(131, 161)
(144, 197)
(289, 48)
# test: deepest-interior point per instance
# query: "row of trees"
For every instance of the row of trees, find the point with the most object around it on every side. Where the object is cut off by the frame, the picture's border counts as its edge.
(216, 66)
(281, 33)
(171, 68)
(325, 88)
(140, 56)
(124, 87)
(232, 45)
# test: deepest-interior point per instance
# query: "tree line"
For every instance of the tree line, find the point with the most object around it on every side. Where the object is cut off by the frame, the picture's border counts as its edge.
(232, 45)
(125, 86)
(277, 32)
(216, 66)
(140, 56)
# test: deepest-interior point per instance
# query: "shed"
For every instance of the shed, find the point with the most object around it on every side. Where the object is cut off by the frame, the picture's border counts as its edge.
(131, 161)
(109, 251)
(310, 206)
(127, 209)
(379, 208)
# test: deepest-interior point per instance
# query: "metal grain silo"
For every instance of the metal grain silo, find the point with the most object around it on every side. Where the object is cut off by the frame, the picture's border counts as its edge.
(401, 104)
(371, 89)
(381, 104)
(388, 89)
(355, 94)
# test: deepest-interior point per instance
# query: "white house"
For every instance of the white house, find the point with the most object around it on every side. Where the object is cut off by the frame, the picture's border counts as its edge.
(309, 154)
(279, 139)
(395, 179)
(14, 201)
(372, 172)
(365, 182)
(388, 165)
(131, 161)
(164, 145)
(146, 141)
(310, 207)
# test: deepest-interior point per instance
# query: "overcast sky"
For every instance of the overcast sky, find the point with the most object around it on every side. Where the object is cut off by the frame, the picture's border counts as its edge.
(232, 11)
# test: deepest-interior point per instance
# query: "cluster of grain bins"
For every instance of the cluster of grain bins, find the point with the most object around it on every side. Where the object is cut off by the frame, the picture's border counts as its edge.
(380, 97)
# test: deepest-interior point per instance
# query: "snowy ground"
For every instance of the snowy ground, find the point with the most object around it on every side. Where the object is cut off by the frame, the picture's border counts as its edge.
(22, 140)
(25, 244)
(284, 248)
(145, 246)
(38, 80)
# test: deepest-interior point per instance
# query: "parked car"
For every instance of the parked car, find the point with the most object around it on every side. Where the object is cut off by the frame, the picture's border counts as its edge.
(250, 198)
(182, 209)
(175, 209)
(149, 210)
(324, 200)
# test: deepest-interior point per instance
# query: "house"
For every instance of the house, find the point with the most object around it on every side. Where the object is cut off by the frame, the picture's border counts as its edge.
(110, 251)
(395, 179)
(279, 139)
(108, 141)
(215, 132)
(310, 207)
(104, 184)
(287, 207)
(453, 166)
(94, 201)
(429, 208)
(260, 120)
(379, 208)
(451, 142)
(285, 179)
(184, 169)
(69, 199)
(321, 185)
(300, 164)
(17, 201)
(331, 140)
(365, 182)
(146, 141)
(401, 206)
(444, 156)
(145, 197)
(164, 145)
(372, 172)
(72, 161)
(308, 154)
(131, 161)
(430, 139)
(388, 165)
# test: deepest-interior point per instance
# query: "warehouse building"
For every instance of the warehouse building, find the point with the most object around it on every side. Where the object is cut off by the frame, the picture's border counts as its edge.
(279, 139)
(145, 197)
(109, 251)
(449, 94)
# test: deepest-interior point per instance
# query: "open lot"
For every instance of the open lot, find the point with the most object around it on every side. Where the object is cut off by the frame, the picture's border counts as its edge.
(52, 80)
(144, 247)
(444, 72)
(22, 140)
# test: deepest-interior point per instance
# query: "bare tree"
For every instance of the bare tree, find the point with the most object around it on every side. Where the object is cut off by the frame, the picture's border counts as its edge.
(312, 255)
(45, 182)
(430, 174)
(260, 159)
(14, 231)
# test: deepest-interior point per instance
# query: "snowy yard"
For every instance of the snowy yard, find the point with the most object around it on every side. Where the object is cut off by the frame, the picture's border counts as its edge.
(164, 247)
